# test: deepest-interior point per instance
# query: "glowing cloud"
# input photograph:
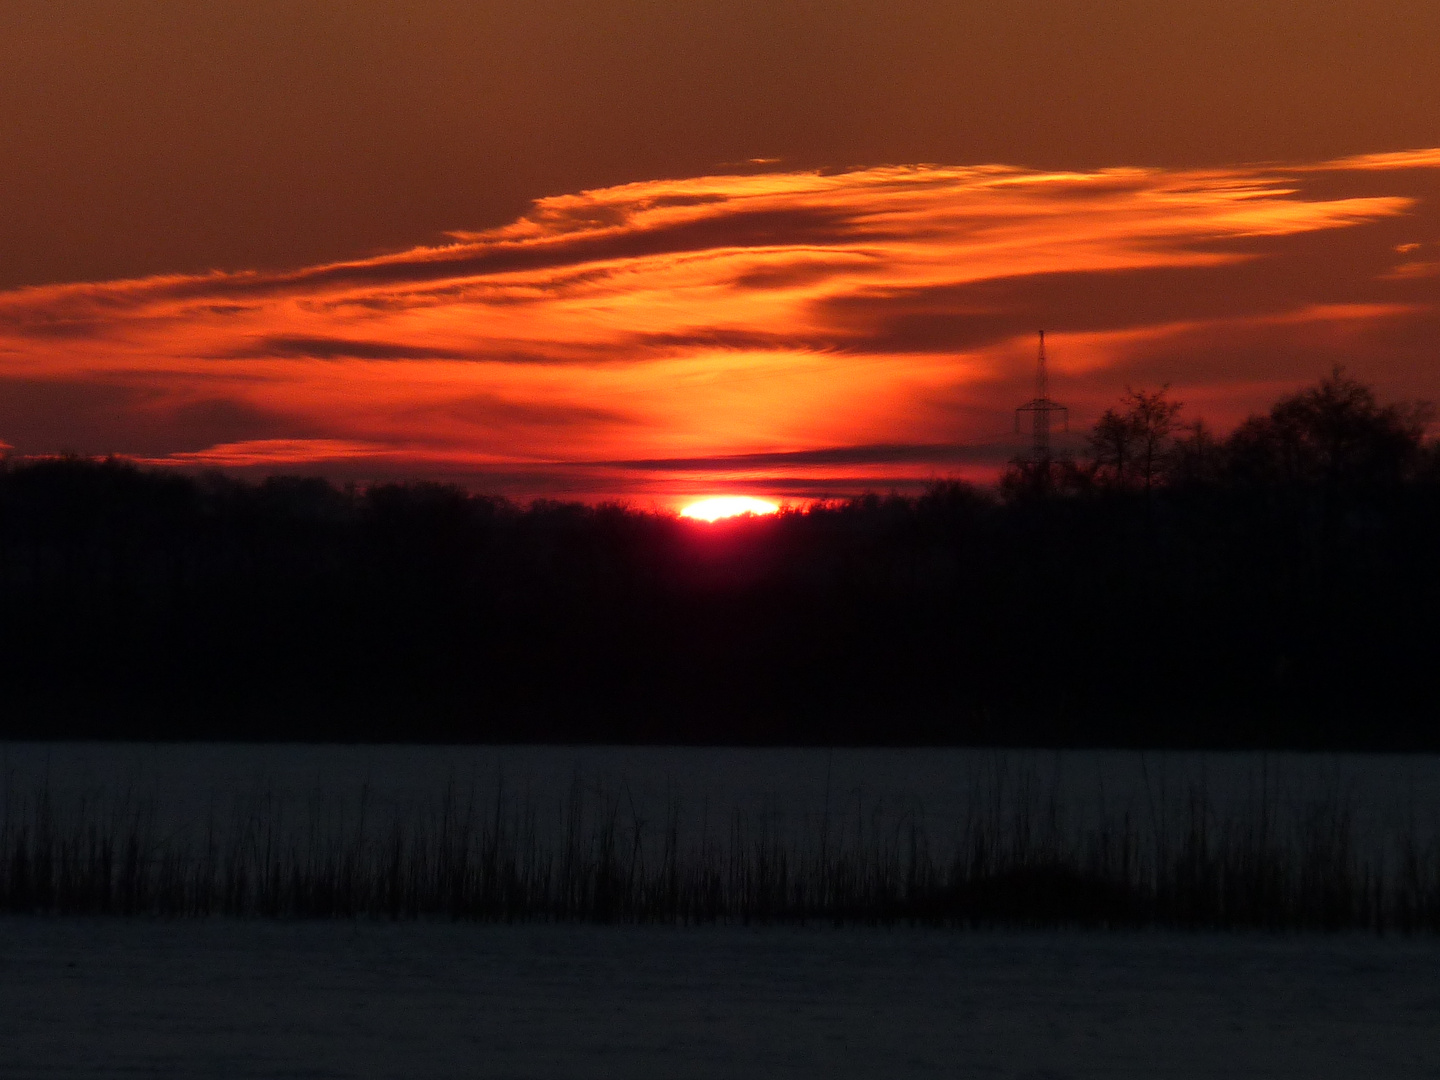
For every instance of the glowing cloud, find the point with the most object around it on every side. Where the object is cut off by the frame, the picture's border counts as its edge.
(792, 333)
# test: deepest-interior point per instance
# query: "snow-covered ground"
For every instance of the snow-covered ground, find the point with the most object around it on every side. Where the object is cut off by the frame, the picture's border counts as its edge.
(232, 998)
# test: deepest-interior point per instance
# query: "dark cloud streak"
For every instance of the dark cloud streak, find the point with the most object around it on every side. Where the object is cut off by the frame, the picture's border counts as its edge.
(332, 348)
(871, 454)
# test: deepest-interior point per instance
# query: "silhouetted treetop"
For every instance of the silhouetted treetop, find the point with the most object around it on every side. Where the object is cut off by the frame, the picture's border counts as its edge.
(1132, 445)
(1332, 434)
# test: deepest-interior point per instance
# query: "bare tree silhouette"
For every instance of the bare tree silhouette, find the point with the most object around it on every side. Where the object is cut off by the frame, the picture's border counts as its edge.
(1132, 444)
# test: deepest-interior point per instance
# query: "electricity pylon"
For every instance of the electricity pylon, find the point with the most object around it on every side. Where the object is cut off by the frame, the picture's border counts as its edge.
(1041, 408)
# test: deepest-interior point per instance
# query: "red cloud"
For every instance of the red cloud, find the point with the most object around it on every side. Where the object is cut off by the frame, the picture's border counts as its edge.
(776, 331)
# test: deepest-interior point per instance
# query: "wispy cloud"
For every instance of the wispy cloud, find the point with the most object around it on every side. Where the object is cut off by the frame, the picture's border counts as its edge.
(795, 330)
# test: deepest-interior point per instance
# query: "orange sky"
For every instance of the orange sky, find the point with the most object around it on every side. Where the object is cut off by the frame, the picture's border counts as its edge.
(787, 333)
(697, 253)
(170, 136)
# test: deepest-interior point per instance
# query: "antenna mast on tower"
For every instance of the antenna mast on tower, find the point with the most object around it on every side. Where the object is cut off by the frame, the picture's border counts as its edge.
(1041, 408)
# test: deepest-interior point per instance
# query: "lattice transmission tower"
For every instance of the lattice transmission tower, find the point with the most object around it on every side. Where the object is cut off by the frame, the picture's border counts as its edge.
(1041, 409)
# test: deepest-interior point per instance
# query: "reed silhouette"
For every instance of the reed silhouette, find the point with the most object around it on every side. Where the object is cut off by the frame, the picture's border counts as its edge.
(487, 856)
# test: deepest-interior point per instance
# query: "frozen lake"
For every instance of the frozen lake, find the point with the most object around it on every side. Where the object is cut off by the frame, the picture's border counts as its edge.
(256, 998)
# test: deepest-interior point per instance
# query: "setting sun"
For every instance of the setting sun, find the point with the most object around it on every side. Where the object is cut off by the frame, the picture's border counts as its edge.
(724, 506)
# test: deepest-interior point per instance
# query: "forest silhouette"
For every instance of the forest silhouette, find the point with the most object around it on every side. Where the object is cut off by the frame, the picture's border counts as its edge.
(1276, 586)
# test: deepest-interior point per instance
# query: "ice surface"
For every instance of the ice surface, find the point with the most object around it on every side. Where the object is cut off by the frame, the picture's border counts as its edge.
(233, 998)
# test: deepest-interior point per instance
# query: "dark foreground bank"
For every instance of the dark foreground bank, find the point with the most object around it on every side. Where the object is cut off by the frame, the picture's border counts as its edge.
(1277, 588)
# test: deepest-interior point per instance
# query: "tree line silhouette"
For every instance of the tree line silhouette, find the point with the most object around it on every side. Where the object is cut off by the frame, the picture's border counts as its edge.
(1277, 586)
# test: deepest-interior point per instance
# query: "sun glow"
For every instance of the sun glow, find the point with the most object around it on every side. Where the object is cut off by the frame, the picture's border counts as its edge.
(724, 506)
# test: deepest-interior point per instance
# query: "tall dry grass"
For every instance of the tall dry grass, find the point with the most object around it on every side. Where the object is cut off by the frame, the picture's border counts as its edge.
(490, 857)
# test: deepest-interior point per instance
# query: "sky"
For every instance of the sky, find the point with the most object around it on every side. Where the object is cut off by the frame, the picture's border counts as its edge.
(653, 251)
